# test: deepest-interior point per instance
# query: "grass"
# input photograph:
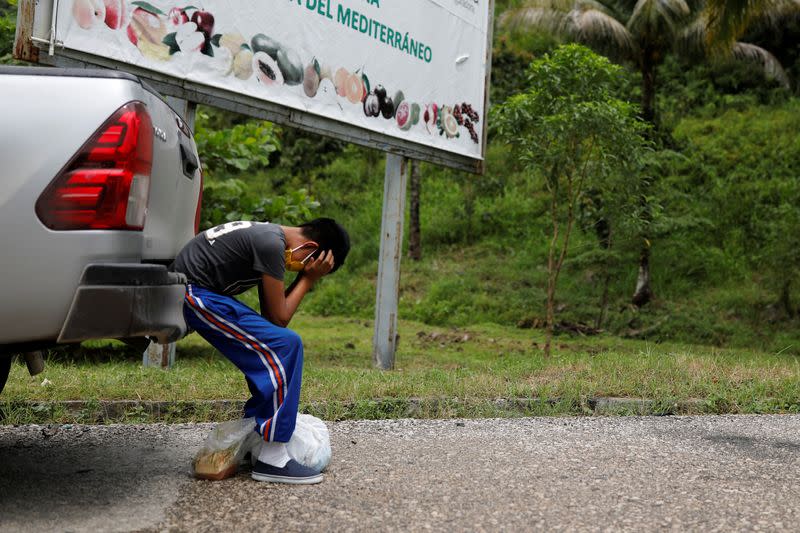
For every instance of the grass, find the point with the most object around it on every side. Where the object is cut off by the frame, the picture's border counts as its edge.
(441, 372)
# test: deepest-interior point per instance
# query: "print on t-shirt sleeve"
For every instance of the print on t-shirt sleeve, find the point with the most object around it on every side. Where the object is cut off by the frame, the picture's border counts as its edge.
(268, 250)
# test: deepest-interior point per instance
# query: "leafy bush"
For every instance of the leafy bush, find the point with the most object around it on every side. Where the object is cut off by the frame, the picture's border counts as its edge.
(237, 149)
(228, 200)
(8, 19)
(343, 295)
(709, 90)
(303, 153)
(744, 166)
(232, 155)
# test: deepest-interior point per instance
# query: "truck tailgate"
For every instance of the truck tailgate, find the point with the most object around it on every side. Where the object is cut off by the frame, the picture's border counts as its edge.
(175, 184)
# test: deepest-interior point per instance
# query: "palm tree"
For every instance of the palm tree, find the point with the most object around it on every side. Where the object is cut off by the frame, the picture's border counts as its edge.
(642, 32)
(728, 19)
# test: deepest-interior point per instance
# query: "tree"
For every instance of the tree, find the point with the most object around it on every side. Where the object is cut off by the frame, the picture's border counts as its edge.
(611, 211)
(727, 20)
(781, 251)
(570, 134)
(642, 32)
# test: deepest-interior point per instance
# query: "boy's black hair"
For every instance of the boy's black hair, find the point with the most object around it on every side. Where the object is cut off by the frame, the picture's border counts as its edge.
(330, 235)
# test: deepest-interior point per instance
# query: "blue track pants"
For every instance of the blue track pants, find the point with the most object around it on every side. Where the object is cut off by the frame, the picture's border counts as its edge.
(270, 356)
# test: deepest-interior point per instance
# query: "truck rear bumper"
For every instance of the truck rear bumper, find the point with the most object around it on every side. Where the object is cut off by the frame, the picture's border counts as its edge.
(116, 301)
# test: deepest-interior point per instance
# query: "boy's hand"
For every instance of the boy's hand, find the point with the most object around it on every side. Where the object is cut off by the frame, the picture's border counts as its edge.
(322, 265)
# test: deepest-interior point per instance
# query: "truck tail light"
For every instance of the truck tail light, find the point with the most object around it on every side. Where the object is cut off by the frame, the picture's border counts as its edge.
(107, 183)
(199, 205)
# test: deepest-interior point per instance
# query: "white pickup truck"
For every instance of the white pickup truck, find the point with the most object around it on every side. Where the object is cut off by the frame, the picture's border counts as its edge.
(100, 187)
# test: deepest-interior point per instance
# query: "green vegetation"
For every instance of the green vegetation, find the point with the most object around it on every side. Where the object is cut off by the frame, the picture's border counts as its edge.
(574, 138)
(8, 20)
(642, 34)
(445, 371)
(244, 147)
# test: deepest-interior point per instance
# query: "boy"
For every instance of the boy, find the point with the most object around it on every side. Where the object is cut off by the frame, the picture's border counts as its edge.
(229, 259)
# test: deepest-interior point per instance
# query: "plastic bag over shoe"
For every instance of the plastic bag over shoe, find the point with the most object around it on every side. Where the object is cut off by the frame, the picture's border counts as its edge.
(228, 443)
(310, 444)
(224, 449)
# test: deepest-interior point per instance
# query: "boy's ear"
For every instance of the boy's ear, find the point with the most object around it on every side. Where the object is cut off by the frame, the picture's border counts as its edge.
(314, 254)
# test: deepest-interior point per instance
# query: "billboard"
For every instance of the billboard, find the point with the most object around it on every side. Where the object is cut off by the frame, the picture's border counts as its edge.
(408, 72)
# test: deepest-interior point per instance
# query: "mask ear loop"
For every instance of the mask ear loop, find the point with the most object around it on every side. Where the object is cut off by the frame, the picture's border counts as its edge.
(303, 262)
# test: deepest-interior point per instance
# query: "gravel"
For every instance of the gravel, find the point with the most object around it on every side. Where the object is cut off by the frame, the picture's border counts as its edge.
(712, 473)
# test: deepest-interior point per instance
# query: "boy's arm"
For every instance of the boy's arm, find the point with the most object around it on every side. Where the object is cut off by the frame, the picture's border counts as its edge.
(262, 302)
(278, 306)
(293, 284)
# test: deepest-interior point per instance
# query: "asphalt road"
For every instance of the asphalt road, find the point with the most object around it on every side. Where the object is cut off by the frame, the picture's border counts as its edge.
(592, 474)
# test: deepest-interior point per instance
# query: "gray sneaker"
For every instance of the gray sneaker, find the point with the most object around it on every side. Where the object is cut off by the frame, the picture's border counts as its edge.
(293, 472)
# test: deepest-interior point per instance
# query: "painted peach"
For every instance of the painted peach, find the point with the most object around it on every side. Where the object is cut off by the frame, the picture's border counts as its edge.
(88, 12)
(340, 80)
(311, 80)
(177, 16)
(149, 31)
(116, 14)
(132, 35)
(354, 88)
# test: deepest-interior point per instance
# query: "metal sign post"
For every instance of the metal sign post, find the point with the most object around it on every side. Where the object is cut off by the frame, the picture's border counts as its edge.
(388, 284)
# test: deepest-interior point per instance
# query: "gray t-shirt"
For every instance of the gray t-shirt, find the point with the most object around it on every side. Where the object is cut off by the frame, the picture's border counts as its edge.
(229, 259)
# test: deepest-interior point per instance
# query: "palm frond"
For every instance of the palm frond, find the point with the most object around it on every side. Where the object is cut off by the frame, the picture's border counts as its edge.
(772, 13)
(728, 19)
(589, 22)
(547, 16)
(692, 42)
(658, 18)
(621, 9)
(606, 6)
(769, 63)
(600, 30)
